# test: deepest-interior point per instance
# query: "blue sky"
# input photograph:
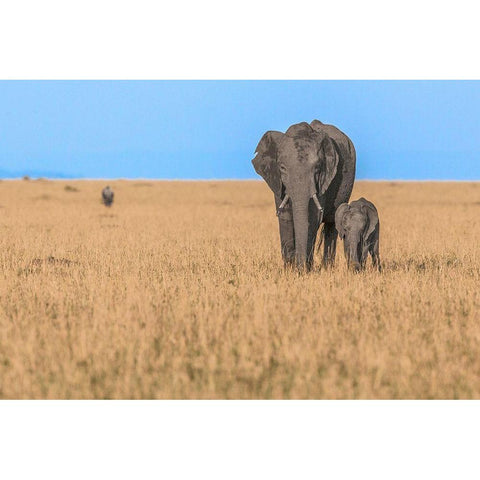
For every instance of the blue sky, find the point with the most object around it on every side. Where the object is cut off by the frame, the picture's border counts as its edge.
(209, 129)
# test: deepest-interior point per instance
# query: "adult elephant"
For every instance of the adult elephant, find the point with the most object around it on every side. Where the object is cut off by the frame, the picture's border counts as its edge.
(311, 170)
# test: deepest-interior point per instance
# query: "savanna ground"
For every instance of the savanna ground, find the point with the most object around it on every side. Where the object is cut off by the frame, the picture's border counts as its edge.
(178, 291)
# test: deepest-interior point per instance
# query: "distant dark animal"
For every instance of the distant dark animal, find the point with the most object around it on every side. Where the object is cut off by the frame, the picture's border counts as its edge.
(107, 196)
(358, 226)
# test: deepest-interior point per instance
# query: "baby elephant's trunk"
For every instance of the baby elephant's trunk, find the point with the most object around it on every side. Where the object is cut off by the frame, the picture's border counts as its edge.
(354, 254)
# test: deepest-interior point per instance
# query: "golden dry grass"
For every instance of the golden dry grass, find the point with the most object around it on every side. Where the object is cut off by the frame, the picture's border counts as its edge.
(178, 291)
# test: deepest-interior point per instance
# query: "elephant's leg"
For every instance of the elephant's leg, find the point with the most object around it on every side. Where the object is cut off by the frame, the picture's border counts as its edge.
(374, 252)
(287, 233)
(377, 249)
(365, 252)
(311, 250)
(330, 244)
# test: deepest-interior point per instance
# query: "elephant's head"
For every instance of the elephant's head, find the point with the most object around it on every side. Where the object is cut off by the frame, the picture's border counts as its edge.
(355, 223)
(298, 166)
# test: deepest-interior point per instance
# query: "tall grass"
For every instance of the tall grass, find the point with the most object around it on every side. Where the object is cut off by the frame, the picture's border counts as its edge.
(178, 291)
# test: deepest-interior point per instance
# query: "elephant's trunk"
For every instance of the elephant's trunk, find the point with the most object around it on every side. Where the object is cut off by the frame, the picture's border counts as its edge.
(354, 254)
(301, 223)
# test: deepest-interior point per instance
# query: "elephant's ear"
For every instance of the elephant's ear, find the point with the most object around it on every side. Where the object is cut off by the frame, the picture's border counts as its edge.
(329, 155)
(372, 215)
(265, 162)
(339, 213)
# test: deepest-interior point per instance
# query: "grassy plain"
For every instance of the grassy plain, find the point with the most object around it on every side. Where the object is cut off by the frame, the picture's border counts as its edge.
(178, 291)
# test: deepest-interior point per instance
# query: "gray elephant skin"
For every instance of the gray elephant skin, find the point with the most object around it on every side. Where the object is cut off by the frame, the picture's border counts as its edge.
(358, 226)
(311, 170)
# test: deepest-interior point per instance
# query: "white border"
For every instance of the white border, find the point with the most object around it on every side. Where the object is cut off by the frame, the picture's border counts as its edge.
(244, 40)
(214, 39)
(238, 440)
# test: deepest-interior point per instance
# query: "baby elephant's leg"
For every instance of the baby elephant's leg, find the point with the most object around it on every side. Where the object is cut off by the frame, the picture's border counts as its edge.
(374, 252)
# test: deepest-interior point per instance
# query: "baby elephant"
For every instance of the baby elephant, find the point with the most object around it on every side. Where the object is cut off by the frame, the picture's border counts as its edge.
(359, 228)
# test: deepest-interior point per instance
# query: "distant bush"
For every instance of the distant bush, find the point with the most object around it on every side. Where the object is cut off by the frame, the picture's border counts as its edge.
(69, 188)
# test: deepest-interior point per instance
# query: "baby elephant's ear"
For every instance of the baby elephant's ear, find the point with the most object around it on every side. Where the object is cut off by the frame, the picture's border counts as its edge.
(339, 213)
(265, 162)
(372, 215)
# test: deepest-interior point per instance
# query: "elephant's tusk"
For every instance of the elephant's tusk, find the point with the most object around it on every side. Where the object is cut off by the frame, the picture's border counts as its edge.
(317, 203)
(285, 200)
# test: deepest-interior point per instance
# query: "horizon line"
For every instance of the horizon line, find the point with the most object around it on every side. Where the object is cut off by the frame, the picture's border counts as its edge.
(128, 179)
